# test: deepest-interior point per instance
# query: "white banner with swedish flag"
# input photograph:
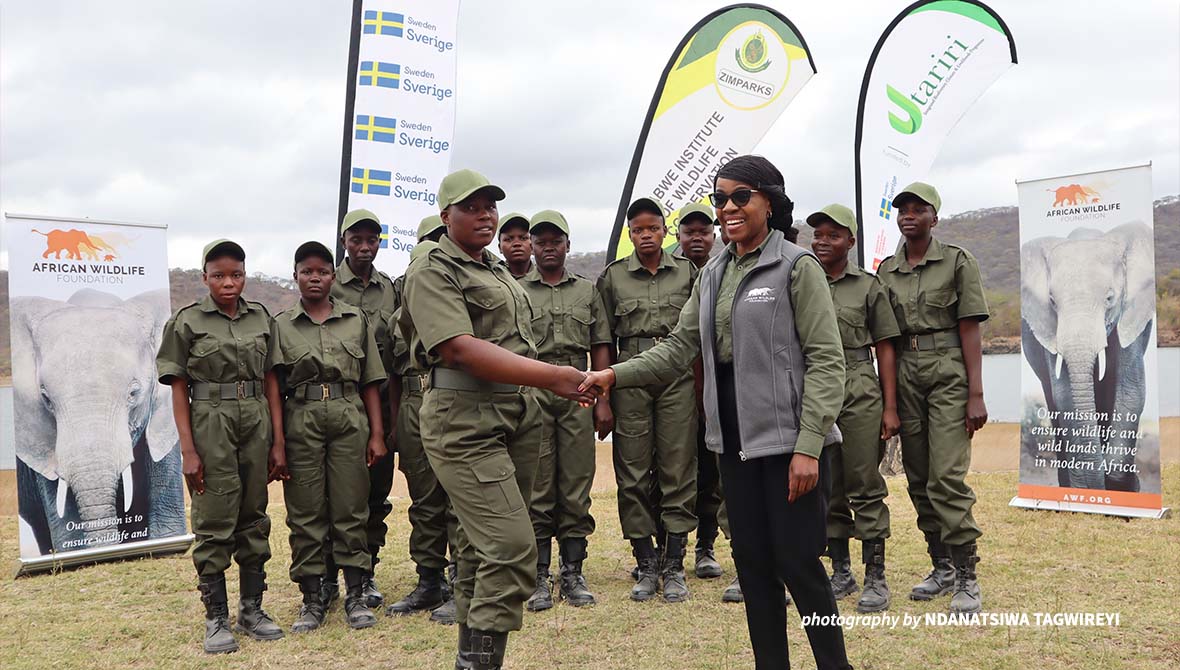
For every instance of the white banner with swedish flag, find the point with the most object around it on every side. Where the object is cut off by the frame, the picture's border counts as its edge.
(729, 79)
(400, 122)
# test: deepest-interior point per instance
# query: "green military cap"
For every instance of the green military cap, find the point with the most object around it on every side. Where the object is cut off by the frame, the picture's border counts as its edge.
(695, 208)
(551, 217)
(458, 186)
(225, 247)
(513, 219)
(421, 249)
(922, 191)
(644, 204)
(358, 216)
(838, 214)
(429, 225)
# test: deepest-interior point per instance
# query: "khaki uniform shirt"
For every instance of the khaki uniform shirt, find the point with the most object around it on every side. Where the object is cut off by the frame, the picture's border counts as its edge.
(935, 294)
(640, 304)
(203, 344)
(863, 310)
(449, 294)
(341, 349)
(568, 317)
(376, 298)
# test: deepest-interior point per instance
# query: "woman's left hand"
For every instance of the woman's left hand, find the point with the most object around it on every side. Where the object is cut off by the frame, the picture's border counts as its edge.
(376, 450)
(803, 476)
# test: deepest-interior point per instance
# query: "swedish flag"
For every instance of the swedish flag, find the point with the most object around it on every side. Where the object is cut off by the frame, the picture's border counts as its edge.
(371, 182)
(375, 128)
(384, 237)
(384, 23)
(375, 73)
(886, 208)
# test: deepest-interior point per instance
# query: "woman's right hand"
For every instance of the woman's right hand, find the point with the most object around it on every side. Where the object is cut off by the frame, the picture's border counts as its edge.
(278, 462)
(194, 471)
(603, 379)
(569, 383)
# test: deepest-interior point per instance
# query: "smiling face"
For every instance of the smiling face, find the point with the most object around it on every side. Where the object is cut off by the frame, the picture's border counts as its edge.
(831, 242)
(471, 223)
(226, 279)
(314, 275)
(915, 218)
(362, 242)
(747, 223)
(647, 232)
(516, 245)
(696, 236)
(550, 247)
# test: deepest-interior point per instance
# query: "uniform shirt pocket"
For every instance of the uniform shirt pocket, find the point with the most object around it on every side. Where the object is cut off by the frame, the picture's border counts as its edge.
(579, 325)
(204, 363)
(854, 332)
(941, 311)
(351, 364)
(671, 309)
(484, 305)
(629, 318)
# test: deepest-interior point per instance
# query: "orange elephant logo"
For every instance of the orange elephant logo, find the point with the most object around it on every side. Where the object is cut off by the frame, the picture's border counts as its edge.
(1074, 194)
(78, 245)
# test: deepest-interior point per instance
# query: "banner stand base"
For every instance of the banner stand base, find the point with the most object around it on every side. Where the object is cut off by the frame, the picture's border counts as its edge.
(72, 559)
(1059, 506)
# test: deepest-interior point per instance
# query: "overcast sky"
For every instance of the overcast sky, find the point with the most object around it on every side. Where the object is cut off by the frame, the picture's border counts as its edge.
(225, 118)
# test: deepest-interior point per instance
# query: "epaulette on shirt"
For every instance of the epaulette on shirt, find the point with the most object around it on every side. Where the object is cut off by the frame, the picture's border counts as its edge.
(255, 303)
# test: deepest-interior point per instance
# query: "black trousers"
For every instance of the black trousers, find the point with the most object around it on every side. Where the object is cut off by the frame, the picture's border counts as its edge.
(776, 544)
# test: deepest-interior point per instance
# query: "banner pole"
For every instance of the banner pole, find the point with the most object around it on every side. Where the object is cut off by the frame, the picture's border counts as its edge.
(354, 52)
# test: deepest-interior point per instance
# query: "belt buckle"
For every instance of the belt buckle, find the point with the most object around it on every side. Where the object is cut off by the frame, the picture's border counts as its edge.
(240, 388)
(325, 392)
(657, 340)
(913, 343)
(423, 381)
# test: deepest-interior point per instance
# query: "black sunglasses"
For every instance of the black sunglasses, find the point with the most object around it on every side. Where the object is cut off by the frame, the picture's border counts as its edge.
(740, 197)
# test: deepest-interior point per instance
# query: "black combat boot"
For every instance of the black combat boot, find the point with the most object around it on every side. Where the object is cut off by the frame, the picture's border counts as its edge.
(966, 597)
(706, 566)
(672, 568)
(445, 613)
(941, 579)
(252, 619)
(542, 598)
(311, 613)
(373, 596)
(330, 588)
(647, 581)
(427, 595)
(485, 651)
(875, 597)
(464, 644)
(356, 610)
(843, 583)
(218, 638)
(573, 582)
(733, 592)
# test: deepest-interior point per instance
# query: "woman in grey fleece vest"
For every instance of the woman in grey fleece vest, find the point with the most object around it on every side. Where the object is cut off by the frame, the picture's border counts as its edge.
(761, 318)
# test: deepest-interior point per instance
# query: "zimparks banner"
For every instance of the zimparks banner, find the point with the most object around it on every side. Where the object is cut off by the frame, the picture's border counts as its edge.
(1090, 432)
(930, 65)
(97, 453)
(400, 117)
(728, 81)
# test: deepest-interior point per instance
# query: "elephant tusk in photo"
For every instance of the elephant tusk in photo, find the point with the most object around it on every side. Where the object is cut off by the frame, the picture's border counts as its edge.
(63, 489)
(1101, 364)
(1058, 365)
(128, 489)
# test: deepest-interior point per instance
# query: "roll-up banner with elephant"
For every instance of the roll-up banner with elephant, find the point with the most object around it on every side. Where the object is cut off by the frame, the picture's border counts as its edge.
(1090, 431)
(98, 457)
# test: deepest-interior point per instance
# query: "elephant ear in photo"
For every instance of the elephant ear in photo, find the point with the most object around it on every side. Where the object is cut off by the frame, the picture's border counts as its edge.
(1139, 293)
(35, 426)
(153, 309)
(1034, 290)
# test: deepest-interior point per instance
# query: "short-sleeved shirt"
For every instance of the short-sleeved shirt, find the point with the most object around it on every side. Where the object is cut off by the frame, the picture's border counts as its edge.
(568, 317)
(863, 310)
(935, 294)
(341, 349)
(201, 343)
(641, 304)
(449, 294)
(377, 297)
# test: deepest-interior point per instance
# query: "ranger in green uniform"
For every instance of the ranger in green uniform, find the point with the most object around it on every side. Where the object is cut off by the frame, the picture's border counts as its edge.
(480, 427)
(938, 298)
(655, 425)
(516, 245)
(326, 359)
(214, 355)
(361, 285)
(431, 522)
(569, 324)
(869, 414)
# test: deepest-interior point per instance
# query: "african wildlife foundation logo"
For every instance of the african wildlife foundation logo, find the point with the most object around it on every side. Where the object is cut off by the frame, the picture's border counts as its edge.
(77, 245)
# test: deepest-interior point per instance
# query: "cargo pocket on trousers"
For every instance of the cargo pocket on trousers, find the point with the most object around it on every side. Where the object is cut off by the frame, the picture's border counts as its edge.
(495, 476)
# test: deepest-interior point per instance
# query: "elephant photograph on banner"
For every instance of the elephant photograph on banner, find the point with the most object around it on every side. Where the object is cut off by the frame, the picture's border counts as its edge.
(1088, 312)
(98, 456)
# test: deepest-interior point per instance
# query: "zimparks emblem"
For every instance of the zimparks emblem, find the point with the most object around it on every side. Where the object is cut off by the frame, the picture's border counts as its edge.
(752, 55)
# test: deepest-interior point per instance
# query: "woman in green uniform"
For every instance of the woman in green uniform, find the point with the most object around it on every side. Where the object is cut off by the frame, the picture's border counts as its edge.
(762, 320)
(939, 302)
(214, 354)
(480, 427)
(327, 365)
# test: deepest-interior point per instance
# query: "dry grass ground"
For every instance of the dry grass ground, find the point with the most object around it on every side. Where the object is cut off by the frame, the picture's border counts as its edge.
(146, 614)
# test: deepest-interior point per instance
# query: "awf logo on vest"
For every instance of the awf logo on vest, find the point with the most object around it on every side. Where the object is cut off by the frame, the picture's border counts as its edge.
(760, 295)
(927, 90)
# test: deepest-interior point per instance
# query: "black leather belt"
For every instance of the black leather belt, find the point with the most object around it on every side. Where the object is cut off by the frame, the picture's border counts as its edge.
(227, 391)
(329, 391)
(858, 355)
(457, 380)
(939, 339)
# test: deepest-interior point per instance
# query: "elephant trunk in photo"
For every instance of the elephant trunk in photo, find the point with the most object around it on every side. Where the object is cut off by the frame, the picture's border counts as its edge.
(94, 467)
